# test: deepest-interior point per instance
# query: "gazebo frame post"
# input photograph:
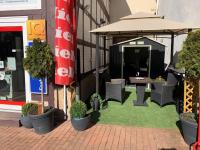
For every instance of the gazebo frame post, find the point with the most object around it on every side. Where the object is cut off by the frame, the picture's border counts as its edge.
(172, 48)
(97, 63)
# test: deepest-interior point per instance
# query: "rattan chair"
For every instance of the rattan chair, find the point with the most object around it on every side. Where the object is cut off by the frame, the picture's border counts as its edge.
(115, 89)
(163, 92)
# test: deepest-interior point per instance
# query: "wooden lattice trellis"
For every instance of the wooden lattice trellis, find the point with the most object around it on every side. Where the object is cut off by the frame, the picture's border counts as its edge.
(188, 94)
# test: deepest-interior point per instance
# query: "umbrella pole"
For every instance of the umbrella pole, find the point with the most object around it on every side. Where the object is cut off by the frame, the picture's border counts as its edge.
(65, 102)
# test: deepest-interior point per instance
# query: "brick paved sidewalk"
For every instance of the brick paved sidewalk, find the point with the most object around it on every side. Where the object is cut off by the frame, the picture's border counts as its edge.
(99, 136)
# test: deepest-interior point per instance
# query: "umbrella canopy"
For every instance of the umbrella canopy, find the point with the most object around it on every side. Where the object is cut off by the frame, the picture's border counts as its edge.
(143, 23)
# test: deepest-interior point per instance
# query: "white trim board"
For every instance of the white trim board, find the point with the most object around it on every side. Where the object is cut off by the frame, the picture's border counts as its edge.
(20, 5)
(10, 108)
(20, 21)
(138, 38)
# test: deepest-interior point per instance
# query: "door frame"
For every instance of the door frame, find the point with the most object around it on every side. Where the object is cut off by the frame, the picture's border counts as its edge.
(136, 46)
(20, 21)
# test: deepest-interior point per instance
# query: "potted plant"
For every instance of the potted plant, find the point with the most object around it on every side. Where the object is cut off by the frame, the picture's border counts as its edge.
(95, 101)
(189, 127)
(189, 59)
(79, 119)
(39, 62)
(27, 110)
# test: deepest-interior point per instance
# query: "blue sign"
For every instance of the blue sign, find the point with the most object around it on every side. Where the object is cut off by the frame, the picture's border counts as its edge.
(30, 43)
(36, 85)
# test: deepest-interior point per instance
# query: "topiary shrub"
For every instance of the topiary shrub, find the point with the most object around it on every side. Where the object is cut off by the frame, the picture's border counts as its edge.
(29, 109)
(78, 109)
(189, 59)
(189, 56)
(39, 62)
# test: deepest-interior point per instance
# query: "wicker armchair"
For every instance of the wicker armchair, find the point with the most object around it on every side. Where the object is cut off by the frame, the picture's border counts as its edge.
(163, 92)
(115, 89)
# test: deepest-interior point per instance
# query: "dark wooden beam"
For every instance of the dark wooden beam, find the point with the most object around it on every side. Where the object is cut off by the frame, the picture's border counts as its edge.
(88, 44)
(103, 7)
(81, 6)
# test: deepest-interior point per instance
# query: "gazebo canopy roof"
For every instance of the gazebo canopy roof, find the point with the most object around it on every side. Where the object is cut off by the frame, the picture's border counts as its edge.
(143, 24)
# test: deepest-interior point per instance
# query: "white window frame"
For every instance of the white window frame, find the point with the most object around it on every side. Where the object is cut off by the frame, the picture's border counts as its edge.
(20, 21)
(26, 6)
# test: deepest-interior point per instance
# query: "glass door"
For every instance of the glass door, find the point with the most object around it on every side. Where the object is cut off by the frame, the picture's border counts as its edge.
(12, 79)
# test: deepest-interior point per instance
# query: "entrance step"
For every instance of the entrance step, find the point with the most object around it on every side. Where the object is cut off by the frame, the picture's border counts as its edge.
(9, 119)
(11, 106)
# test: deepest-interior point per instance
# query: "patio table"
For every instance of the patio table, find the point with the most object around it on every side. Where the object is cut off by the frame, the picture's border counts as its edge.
(140, 89)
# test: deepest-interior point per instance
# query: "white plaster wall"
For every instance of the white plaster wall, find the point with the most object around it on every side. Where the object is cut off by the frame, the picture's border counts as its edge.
(121, 8)
(118, 9)
(142, 5)
(185, 11)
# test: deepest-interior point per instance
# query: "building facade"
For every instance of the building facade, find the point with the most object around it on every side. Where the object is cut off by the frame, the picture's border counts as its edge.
(19, 22)
(182, 11)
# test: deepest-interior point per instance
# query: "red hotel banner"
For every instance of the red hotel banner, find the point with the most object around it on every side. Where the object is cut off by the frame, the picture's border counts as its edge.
(65, 41)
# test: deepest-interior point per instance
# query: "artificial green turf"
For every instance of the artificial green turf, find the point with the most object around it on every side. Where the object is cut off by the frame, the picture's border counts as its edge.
(152, 116)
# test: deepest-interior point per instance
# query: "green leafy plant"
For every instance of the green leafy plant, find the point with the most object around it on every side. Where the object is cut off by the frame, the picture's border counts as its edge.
(96, 96)
(29, 109)
(189, 116)
(189, 56)
(78, 109)
(189, 59)
(39, 62)
(159, 78)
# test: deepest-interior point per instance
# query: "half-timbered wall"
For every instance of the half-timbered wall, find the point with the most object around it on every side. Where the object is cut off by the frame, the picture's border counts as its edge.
(90, 14)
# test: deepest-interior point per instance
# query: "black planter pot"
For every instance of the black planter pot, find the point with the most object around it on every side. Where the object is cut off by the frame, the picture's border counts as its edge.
(26, 121)
(43, 123)
(82, 123)
(189, 129)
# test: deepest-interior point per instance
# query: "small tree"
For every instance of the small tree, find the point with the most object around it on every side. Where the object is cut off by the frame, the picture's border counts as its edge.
(189, 58)
(39, 62)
